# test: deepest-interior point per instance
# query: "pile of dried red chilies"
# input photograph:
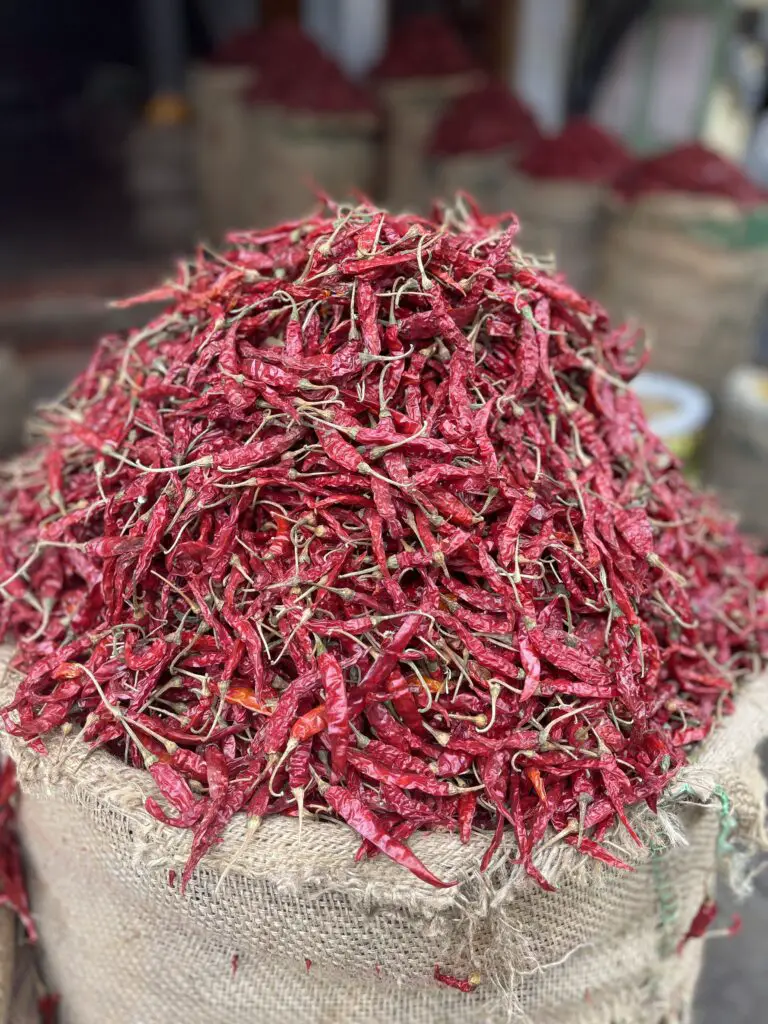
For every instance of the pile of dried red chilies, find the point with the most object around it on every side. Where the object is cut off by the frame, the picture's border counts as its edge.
(583, 151)
(266, 49)
(690, 168)
(424, 46)
(320, 87)
(483, 120)
(367, 524)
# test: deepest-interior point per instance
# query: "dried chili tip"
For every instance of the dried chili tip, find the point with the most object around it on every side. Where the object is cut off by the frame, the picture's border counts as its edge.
(235, 963)
(700, 925)
(307, 964)
(462, 984)
(47, 1007)
(246, 698)
(67, 670)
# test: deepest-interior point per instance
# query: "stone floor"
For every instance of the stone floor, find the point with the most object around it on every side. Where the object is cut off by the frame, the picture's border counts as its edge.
(734, 983)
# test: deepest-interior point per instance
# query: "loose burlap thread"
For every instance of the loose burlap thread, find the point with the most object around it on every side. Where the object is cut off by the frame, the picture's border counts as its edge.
(283, 925)
(698, 298)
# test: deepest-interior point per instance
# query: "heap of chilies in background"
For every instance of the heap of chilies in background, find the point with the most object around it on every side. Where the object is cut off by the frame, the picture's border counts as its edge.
(484, 119)
(321, 86)
(690, 168)
(583, 151)
(368, 524)
(424, 46)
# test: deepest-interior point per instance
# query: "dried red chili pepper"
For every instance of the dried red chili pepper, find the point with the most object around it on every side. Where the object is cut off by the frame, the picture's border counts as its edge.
(462, 984)
(367, 825)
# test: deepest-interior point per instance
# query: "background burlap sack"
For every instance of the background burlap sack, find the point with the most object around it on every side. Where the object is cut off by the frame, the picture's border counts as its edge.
(219, 111)
(14, 400)
(284, 926)
(483, 175)
(737, 457)
(287, 153)
(565, 218)
(161, 185)
(699, 297)
(411, 108)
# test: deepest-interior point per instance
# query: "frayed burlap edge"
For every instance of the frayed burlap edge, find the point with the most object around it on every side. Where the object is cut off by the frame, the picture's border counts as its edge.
(320, 853)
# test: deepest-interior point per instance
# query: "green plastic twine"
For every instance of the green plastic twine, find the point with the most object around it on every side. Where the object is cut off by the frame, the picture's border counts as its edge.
(666, 896)
(728, 820)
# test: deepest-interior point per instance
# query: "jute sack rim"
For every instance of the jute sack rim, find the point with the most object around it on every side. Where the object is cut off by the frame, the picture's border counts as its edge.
(294, 856)
(221, 76)
(557, 203)
(680, 206)
(562, 189)
(492, 152)
(310, 118)
(427, 86)
(650, 250)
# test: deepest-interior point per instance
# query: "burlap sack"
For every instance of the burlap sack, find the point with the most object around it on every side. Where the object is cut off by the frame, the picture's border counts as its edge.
(411, 108)
(737, 460)
(288, 153)
(483, 175)
(283, 926)
(219, 111)
(564, 218)
(161, 184)
(698, 299)
(14, 400)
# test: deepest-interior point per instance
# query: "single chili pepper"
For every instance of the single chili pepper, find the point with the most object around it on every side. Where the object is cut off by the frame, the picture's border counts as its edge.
(246, 698)
(700, 925)
(373, 769)
(466, 815)
(462, 984)
(336, 711)
(366, 824)
(178, 794)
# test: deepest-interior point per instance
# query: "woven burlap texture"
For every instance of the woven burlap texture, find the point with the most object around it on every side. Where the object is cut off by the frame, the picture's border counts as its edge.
(698, 300)
(285, 926)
